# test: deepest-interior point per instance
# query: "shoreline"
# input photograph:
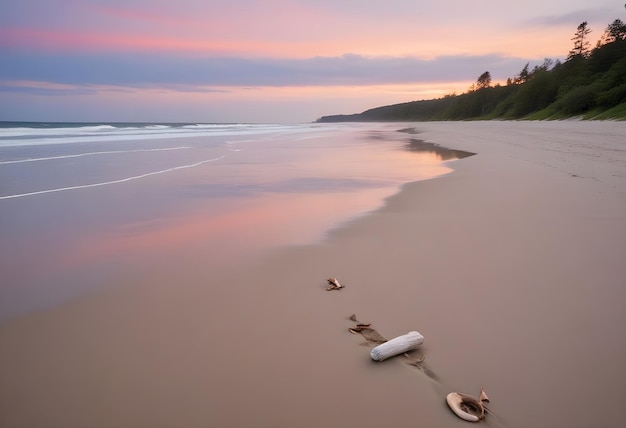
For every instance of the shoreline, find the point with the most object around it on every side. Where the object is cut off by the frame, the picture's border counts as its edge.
(61, 246)
(511, 267)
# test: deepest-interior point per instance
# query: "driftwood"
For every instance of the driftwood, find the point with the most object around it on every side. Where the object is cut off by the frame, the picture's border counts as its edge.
(464, 406)
(372, 337)
(367, 331)
(467, 407)
(398, 345)
(334, 284)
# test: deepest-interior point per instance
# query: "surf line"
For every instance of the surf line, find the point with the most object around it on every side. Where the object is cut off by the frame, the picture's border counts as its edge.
(123, 180)
(94, 153)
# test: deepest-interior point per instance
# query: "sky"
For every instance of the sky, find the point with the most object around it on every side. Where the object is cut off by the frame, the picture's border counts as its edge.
(267, 61)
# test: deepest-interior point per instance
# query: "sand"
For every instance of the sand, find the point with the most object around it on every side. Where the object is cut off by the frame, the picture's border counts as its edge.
(512, 267)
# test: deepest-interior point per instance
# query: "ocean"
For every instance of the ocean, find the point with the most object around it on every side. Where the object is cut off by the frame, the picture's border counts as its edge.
(84, 206)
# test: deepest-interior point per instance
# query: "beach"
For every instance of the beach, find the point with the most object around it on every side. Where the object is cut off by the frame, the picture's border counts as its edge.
(511, 266)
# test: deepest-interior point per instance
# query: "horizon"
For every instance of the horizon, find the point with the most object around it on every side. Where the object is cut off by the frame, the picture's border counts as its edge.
(250, 62)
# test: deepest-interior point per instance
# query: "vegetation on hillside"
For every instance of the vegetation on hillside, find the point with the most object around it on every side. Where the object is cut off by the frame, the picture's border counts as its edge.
(590, 83)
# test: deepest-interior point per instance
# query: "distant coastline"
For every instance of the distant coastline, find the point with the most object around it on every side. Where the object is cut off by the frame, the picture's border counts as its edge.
(590, 85)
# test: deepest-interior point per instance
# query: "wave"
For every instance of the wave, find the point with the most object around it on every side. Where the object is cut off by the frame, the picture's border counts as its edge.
(157, 127)
(41, 134)
(26, 131)
(106, 183)
(92, 154)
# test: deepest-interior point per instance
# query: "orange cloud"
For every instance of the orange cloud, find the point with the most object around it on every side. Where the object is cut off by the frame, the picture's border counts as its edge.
(548, 44)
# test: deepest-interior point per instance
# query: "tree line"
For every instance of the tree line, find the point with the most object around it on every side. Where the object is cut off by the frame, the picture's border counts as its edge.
(590, 82)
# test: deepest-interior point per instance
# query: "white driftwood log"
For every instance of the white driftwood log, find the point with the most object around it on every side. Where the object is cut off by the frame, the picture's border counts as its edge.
(398, 345)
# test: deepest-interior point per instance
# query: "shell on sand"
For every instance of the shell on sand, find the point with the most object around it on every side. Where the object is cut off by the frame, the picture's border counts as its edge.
(334, 284)
(466, 407)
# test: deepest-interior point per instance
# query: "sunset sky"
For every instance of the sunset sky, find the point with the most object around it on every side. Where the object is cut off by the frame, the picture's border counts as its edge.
(267, 60)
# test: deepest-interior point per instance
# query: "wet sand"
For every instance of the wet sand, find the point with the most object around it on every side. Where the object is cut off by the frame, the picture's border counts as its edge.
(512, 267)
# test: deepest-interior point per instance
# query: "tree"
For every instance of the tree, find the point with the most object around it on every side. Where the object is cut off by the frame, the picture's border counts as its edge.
(546, 66)
(523, 75)
(484, 80)
(614, 31)
(581, 44)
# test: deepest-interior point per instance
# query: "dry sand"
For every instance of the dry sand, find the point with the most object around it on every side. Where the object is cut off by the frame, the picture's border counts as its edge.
(513, 267)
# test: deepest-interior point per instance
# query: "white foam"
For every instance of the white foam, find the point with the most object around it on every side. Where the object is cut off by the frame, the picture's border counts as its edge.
(157, 127)
(39, 136)
(106, 183)
(92, 154)
(34, 132)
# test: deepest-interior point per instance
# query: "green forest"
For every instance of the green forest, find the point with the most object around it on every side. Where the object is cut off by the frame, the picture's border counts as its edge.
(590, 83)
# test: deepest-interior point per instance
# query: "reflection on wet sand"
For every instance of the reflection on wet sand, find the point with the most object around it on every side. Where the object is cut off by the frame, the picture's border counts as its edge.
(272, 193)
(443, 153)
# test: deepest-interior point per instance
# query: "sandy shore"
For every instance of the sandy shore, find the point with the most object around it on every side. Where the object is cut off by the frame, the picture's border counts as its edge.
(512, 267)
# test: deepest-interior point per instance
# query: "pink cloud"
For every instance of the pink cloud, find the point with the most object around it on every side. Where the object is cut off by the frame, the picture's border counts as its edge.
(133, 14)
(67, 40)
(137, 15)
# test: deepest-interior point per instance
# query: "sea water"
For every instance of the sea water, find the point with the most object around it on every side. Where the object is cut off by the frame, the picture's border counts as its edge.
(81, 202)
